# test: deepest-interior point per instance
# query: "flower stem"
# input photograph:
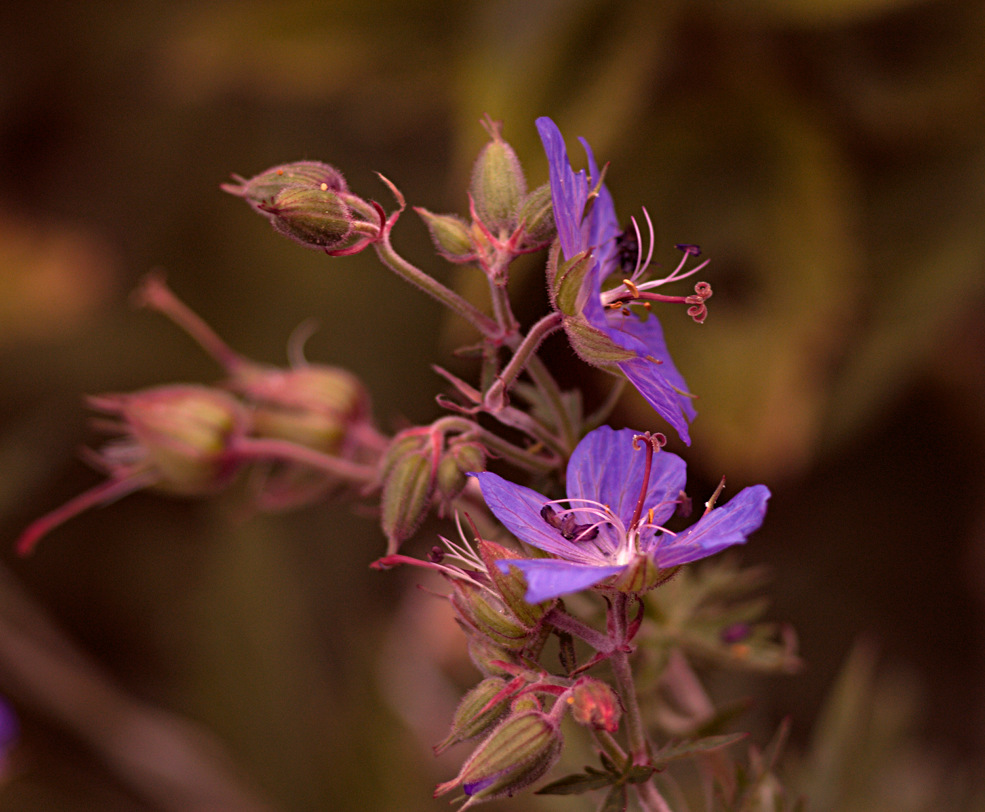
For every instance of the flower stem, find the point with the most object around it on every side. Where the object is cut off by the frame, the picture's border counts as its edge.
(639, 743)
(573, 626)
(286, 451)
(521, 357)
(411, 273)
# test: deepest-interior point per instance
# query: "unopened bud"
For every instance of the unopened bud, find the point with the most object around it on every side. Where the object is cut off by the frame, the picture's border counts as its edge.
(478, 711)
(459, 460)
(518, 752)
(512, 584)
(484, 612)
(178, 439)
(451, 235)
(313, 405)
(260, 191)
(315, 218)
(182, 433)
(407, 496)
(407, 442)
(489, 657)
(595, 704)
(498, 185)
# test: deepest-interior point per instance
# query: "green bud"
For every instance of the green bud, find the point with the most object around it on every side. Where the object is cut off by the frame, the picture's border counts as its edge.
(525, 703)
(315, 218)
(313, 405)
(518, 752)
(513, 586)
(261, 190)
(406, 498)
(537, 215)
(595, 704)
(486, 656)
(408, 442)
(184, 433)
(498, 186)
(451, 235)
(475, 715)
(484, 612)
(460, 460)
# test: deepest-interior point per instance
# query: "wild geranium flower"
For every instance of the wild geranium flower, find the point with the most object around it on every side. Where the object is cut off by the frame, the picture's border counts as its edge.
(613, 327)
(621, 489)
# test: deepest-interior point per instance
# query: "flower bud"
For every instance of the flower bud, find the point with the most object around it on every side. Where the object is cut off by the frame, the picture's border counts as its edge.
(498, 185)
(487, 656)
(595, 704)
(486, 614)
(478, 711)
(315, 218)
(451, 235)
(407, 494)
(518, 752)
(179, 439)
(512, 585)
(537, 215)
(313, 405)
(261, 190)
(182, 433)
(459, 460)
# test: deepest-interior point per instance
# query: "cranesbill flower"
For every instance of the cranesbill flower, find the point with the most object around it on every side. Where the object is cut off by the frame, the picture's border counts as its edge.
(621, 488)
(613, 327)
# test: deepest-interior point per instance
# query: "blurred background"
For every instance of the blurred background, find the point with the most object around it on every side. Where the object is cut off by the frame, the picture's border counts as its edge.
(828, 156)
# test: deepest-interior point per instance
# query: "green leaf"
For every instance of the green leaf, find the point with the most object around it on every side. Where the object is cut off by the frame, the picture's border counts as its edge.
(673, 752)
(578, 783)
(615, 801)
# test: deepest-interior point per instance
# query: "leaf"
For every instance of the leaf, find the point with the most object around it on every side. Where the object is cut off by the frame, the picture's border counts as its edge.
(578, 783)
(615, 801)
(686, 749)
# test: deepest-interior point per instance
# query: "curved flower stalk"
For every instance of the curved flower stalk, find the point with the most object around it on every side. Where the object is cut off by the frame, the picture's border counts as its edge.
(620, 492)
(601, 327)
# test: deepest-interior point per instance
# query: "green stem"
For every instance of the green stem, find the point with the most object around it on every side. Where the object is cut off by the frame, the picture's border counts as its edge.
(639, 743)
(521, 357)
(396, 263)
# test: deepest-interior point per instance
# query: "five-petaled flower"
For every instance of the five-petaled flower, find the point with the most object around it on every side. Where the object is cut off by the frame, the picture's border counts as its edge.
(620, 493)
(601, 326)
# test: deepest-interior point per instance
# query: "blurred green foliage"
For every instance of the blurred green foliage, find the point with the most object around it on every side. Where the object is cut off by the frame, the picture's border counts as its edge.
(828, 156)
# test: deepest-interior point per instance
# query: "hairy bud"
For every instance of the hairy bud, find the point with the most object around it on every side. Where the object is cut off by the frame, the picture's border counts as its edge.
(595, 704)
(451, 235)
(518, 752)
(498, 185)
(478, 711)
(260, 191)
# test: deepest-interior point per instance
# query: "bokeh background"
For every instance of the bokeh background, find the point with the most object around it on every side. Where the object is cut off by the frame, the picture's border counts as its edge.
(828, 155)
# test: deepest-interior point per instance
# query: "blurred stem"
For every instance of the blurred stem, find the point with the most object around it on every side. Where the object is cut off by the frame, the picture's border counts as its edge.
(170, 763)
(286, 451)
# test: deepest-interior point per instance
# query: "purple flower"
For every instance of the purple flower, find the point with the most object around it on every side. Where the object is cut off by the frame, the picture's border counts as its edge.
(601, 327)
(619, 495)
